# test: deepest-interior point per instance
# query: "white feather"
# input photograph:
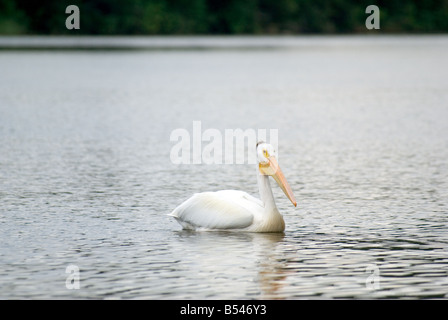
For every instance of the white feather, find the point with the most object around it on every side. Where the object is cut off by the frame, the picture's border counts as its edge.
(227, 209)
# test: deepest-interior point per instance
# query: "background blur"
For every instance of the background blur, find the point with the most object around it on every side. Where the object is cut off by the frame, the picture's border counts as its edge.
(163, 17)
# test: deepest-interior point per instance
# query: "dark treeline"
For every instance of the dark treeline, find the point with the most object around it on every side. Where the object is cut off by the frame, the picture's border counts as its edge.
(141, 17)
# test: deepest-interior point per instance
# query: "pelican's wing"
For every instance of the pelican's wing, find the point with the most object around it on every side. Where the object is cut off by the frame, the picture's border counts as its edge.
(226, 209)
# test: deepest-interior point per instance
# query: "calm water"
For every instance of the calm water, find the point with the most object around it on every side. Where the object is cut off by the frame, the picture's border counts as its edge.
(86, 177)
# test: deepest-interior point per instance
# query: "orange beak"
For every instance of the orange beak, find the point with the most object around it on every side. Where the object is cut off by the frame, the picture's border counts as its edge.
(273, 169)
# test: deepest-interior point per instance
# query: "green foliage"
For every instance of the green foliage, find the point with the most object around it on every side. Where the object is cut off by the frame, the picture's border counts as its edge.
(140, 17)
(12, 20)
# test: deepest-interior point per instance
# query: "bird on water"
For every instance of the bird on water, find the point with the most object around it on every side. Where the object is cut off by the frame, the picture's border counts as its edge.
(235, 210)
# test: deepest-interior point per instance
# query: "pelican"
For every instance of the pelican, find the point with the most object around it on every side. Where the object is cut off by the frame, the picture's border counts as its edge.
(236, 210)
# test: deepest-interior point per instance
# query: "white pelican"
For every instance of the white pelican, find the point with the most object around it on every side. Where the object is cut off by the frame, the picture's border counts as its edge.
(236, 210)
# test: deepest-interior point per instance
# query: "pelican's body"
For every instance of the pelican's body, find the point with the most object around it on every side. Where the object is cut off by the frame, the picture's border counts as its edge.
(236, 210)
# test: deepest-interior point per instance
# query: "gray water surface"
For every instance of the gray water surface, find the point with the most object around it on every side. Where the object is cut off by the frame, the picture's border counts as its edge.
(86, 177)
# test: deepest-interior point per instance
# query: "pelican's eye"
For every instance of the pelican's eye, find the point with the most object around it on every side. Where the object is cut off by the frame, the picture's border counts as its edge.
(266, 153)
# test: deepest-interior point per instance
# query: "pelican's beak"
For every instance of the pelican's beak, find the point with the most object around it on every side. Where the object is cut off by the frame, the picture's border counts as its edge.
(273, 169)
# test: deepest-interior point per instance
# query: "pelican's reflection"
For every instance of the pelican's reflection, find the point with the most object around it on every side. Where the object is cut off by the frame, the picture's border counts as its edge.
(234, 260)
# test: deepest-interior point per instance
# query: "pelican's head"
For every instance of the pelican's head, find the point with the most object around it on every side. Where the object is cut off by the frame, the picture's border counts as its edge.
(267, 165)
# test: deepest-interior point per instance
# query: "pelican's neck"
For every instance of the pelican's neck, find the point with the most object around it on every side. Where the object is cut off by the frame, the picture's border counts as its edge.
(266, 192)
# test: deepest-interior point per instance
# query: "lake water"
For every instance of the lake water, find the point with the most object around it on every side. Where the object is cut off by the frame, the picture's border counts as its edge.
(86, 177)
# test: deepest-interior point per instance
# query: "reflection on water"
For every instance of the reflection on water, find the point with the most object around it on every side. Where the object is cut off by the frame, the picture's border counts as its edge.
(86, 177)
(222, 257)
